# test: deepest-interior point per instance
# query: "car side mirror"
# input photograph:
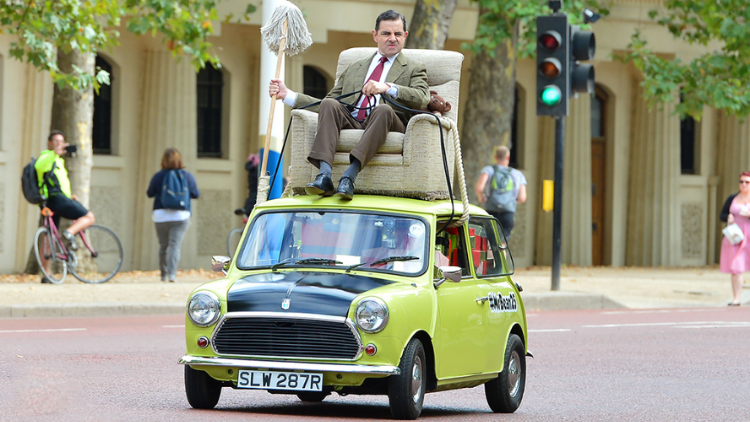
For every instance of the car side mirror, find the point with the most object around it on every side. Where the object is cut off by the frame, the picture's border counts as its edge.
(448, 273)
(220, 263)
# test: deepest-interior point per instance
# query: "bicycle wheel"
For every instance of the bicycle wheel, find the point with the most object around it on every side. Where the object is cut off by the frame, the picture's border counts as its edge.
(47, 248)
(100, 257)
(233, 241)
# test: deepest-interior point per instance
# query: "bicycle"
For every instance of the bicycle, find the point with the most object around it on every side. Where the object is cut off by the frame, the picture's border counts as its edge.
(233, 239)
(101, 258)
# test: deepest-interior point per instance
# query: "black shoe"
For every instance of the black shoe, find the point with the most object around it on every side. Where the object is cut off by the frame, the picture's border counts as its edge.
(71, 238)
(346, 188)
(240, 211)
(321, 186)
(45, 280)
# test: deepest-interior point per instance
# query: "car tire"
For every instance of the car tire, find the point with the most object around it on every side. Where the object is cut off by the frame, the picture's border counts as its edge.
(504, 393)
(202, 391)
(406, 390)
(312, 397)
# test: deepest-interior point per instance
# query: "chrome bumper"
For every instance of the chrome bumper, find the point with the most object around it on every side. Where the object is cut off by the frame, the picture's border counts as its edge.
(291, 366)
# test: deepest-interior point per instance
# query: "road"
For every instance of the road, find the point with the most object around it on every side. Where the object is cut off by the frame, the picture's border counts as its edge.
(648, 365)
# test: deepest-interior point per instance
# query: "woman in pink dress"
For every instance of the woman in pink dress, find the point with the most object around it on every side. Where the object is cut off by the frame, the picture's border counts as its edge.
(735, 259)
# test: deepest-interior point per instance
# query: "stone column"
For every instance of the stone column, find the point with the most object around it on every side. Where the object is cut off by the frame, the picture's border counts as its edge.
(168, 119)
(653, 227)
(576, 212)
(36, 104)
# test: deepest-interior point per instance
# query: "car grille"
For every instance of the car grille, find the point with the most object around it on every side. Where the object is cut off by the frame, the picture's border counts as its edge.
(285, 337)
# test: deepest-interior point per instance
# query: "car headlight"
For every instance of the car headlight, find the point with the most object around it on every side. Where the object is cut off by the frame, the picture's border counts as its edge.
(204, 308)
(371, 315)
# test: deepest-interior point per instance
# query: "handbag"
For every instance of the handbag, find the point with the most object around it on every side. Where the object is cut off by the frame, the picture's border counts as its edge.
(733, 233)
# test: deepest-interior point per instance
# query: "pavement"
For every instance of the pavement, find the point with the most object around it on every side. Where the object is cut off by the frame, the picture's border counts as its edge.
(142, 293)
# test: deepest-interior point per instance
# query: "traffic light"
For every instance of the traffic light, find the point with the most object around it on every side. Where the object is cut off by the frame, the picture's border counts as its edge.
(552, 57)
(582, 47)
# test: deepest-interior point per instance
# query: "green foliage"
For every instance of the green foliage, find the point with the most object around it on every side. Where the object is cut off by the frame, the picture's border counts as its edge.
(43, 26)
(719, 78)
(498, 18)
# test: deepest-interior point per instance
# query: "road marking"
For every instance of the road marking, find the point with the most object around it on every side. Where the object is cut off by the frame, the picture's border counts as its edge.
(173, 326)
(50, 330)
(550, 330)
(690, 324)
(660, 311)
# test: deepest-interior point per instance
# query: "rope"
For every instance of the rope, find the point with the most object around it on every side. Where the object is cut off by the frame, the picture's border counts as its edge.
(461, 177)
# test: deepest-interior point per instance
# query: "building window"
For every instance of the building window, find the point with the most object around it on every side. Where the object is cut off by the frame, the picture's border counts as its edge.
(101, 131)
(315, 83)
(515, 148)
(688, 144)
(210, 86)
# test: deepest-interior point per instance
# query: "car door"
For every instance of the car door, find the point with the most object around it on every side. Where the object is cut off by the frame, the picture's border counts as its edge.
(462, 323)
(492, 265)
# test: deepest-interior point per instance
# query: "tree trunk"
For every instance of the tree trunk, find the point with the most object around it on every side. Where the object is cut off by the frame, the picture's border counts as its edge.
(429, 25)
(73, 113)
(488, 112)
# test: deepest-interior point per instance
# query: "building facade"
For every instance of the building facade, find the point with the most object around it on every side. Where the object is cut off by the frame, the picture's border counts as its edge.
(642, 187)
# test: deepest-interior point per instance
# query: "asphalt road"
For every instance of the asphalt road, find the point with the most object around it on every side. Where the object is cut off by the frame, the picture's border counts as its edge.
(678, 364)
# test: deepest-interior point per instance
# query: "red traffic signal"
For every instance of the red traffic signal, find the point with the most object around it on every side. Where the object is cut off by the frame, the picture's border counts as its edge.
(550, 40)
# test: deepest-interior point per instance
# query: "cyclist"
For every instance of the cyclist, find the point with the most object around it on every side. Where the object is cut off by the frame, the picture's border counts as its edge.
(57, 191)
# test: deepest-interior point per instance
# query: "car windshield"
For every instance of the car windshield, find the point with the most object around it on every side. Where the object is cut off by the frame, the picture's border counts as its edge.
(358, 241)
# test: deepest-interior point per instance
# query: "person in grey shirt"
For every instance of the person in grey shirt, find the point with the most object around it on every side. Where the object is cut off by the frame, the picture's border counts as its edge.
(482, 188)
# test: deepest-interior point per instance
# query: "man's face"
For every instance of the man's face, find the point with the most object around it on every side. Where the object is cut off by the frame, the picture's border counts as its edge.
(57, 144)
(390, 37)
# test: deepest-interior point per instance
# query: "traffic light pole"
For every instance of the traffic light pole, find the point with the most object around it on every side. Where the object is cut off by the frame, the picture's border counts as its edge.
(557, 212)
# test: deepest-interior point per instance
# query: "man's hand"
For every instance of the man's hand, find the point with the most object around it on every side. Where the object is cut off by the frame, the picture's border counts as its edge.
(74, 197)
(277, 88)
(374, 88)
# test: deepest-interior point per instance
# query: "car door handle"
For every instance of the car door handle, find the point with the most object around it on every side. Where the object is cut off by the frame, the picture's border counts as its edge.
(481, 300)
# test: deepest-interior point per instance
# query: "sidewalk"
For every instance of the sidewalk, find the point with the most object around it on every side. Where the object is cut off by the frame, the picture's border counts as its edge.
(141, 293)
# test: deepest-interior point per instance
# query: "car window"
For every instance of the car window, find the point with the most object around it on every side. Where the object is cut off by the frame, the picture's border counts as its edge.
(450, 249)
(351, 238)
(489, 248)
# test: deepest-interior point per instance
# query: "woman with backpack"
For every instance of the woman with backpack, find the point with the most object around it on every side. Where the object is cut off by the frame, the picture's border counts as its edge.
(172, 188)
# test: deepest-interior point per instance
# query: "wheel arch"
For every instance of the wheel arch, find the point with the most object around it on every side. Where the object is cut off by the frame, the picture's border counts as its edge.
(517, 330)
(429, 352)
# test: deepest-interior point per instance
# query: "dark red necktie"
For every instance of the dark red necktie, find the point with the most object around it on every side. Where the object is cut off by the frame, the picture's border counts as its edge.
(375, 75)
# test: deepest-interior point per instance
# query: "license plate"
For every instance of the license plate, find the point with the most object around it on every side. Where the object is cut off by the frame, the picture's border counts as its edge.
(272, 380)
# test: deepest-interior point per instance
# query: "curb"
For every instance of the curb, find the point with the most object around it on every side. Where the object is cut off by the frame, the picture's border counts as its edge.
(89, 309)
(549, 301)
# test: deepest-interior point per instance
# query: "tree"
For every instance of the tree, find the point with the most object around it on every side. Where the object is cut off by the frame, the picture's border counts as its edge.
(506, 31)
(430, 23)
(63, 36)
(720, 78)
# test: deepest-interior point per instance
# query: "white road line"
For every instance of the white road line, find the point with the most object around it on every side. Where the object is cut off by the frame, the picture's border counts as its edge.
(50, 330)
(660, 311)
(173, 326)
(675, 324)
(550, 330)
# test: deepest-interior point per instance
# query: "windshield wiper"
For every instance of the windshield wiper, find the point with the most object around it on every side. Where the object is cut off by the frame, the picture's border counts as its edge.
(385, 261)
(318, 261)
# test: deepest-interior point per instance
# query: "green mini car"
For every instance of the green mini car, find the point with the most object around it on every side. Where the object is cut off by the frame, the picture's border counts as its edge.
(378, 295)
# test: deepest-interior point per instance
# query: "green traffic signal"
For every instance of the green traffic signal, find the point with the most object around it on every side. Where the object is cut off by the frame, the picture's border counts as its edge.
(551, 96)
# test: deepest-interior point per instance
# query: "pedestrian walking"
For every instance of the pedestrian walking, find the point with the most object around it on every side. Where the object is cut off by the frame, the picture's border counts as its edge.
(500, 188)
(735, 259)
(172, 189)
(253, 168)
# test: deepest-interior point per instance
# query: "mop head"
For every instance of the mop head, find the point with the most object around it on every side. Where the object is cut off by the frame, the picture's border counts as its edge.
(297, 36)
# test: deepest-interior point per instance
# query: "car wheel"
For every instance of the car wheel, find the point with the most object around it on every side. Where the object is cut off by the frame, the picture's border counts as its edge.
(314, 396)
(202, 391)
(406, 390)
(504, 393)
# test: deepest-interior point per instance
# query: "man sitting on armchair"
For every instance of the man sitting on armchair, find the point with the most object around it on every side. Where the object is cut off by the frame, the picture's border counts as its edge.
(386, 72)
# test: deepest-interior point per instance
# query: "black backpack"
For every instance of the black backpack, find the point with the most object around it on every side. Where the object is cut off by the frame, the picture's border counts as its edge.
(30, 182)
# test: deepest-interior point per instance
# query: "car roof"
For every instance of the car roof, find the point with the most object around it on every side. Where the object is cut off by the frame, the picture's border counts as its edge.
(372, 202)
